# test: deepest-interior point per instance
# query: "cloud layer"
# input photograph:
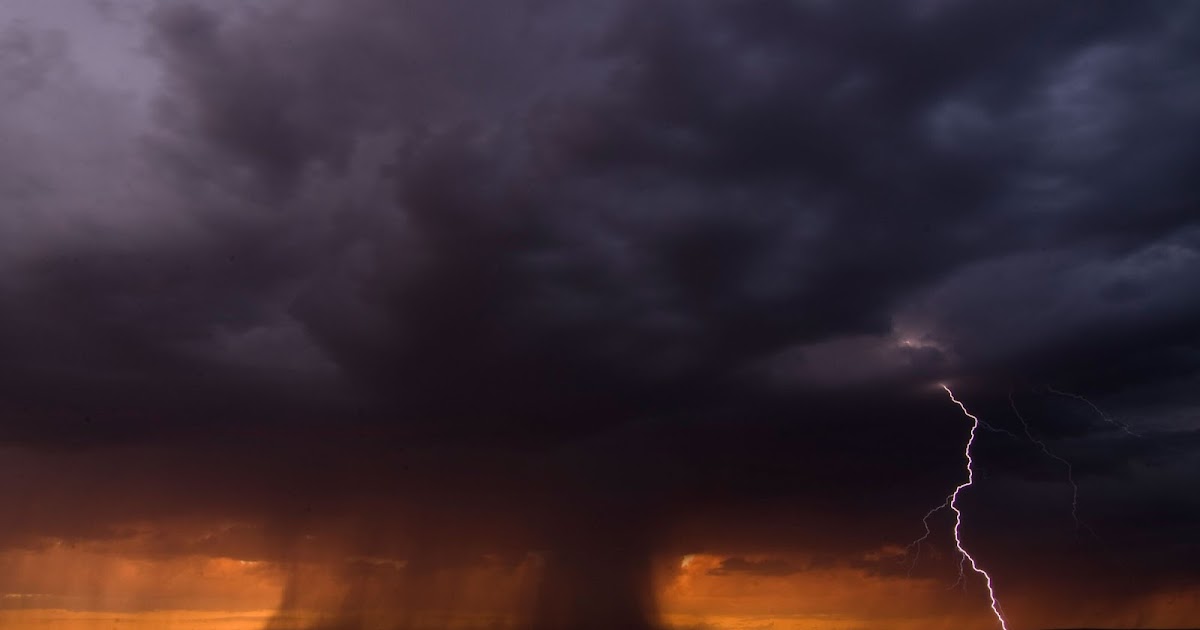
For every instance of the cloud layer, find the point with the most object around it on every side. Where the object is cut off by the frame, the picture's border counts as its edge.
(615, 280)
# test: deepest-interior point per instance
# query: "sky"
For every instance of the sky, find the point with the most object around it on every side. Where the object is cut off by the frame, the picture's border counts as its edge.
(587, 314)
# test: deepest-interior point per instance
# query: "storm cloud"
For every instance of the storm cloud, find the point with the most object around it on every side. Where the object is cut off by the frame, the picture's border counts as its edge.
(598, 282)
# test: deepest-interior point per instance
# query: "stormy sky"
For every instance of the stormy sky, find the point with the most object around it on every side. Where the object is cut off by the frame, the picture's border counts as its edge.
(599, 314)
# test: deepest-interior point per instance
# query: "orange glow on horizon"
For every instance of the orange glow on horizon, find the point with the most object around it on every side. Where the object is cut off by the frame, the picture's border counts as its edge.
(810, 598)
(87, 587)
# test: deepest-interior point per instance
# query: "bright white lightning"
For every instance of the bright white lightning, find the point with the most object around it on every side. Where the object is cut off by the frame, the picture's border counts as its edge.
(952, 499)
(987, 578)
(951, 502)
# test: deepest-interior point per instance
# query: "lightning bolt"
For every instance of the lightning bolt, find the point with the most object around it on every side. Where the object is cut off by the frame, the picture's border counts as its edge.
(915, 546)
(951, 502)
(1052, 455)
(1098, 410)
(996, 429)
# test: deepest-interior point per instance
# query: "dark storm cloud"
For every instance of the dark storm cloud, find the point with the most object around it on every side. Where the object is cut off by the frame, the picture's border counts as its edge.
(727, 239)
(724, 183)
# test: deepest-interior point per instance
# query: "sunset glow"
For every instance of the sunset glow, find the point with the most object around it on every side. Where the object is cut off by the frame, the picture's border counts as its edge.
(724, 592)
